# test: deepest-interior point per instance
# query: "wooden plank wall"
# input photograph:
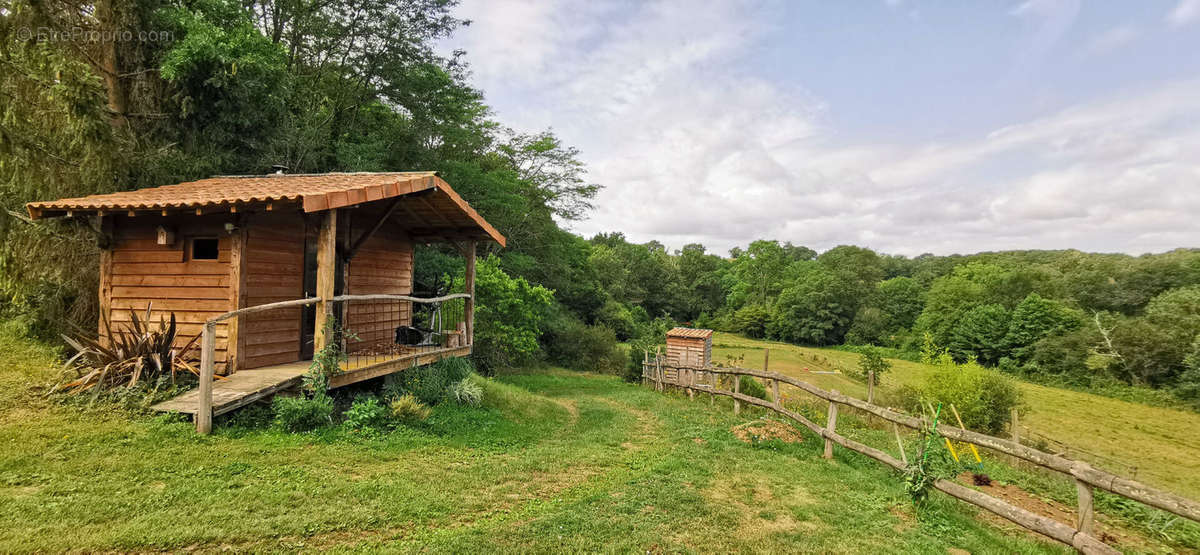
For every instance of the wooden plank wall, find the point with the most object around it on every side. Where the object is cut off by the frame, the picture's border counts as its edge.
(688, 351)
(384, 264)
(274, 271)
(144, 273)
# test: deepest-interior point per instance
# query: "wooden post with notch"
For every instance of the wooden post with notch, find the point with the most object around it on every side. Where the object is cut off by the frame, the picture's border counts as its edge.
(326, 277)
(831, 427)
(871, 387)
(1014, 425)
(737, 388)
(208, 347)
(1086, 516)
(691, 384)
(469, 287)
(106, 273)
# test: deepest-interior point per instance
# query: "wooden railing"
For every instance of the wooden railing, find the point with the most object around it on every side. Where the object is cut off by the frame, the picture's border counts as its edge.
(208, 341)
(1082, 536)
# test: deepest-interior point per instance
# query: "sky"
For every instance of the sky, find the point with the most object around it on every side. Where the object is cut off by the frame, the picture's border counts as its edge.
(904, 126)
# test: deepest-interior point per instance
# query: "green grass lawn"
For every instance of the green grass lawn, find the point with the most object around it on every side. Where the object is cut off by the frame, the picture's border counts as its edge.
(554, 461)
(1159, 446)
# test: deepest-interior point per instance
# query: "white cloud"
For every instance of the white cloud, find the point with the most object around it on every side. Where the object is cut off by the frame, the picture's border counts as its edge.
(693, 147)
(1186, 12)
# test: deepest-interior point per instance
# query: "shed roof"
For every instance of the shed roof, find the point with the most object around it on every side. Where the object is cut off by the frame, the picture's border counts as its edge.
(690, 332)
(442, 212)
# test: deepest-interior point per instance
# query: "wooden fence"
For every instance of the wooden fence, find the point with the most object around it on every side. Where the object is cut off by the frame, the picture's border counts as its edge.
(661, 374)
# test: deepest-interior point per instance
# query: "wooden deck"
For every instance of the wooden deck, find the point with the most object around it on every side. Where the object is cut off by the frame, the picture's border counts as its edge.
(248, 386)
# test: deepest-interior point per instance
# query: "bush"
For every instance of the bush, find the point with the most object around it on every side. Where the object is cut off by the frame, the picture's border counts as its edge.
(753, 388)
(577, 346)
(367, 413)
(300, 414)
(508, 313)
(751, 320)
(466, 392)
(428, 383)
(636, 356)
(984, 398)
(408, 409)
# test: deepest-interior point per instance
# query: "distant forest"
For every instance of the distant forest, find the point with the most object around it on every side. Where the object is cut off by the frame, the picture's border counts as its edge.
(206, 87)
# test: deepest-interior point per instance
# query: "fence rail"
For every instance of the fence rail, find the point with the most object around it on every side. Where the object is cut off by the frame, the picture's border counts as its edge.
(1081, 537)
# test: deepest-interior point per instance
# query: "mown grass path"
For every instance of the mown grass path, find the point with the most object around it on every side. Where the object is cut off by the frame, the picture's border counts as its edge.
(556, 461)
(1159, 446)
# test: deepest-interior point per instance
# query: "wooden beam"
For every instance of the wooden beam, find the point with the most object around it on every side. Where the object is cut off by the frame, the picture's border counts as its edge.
(353, 250)
(208, 344)
(469, 287)
(326, 276)
(106, 266)
(236, 353)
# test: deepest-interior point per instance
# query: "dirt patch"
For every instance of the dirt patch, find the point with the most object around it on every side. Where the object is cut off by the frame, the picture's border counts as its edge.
(763, 430)
(904, 514)
(1013, 495)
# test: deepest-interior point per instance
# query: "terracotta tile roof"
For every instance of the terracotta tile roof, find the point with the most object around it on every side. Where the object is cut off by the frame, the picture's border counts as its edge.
(690, 332)
(315, 192)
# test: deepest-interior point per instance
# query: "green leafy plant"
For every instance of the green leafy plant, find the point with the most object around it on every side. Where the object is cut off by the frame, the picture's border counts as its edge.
(428, 383)
(753, 388)
(408, 409)
(465, 392)
(367, 413)
(302, 413)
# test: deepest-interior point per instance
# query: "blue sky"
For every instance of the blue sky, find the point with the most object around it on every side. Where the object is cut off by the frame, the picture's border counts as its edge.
(904, 126)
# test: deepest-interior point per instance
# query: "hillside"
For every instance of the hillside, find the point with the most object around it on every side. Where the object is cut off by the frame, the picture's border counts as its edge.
(1155, 445)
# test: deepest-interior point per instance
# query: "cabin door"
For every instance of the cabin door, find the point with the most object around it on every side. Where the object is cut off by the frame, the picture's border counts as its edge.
(308, 313)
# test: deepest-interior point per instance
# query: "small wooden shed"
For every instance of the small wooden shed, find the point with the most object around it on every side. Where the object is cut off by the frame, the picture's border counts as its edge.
(202, 249)
(689, 347)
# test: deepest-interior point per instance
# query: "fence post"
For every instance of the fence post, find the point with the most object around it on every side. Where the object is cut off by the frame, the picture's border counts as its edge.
(831, 427)
(691, 384)
(737, 388)
(1014, 425)
(1086, 513)
(645, 366)
(871, 387)
(208, 346)
(712, 393)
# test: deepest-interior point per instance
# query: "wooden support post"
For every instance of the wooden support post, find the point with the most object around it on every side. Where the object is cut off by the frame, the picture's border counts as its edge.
(871, 387)
(1014, 426)
(775, 394)
(235, 353)
(469, 286)
(645, 366)
(1086, 516)
(106, 286)
(658, 373)
(326, 277)
(900, 444)
(208, 347)
(712, 393)
(831, 427)
(691, 384)
(737, 388)
(766, 359)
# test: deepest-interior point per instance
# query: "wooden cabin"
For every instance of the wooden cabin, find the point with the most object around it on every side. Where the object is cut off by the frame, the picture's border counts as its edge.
(203, 248)
(689, 347)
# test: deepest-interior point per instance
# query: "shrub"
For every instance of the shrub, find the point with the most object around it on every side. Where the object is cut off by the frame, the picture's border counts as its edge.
(753, 388)
(140, 352)
(466, 392)
(984, 398)
(508, 313)
(428, 383)
(367, 413)
(872, 361)
(300, 414)
(577, 346)
(636, 356)
(408, 409)
(751, 320)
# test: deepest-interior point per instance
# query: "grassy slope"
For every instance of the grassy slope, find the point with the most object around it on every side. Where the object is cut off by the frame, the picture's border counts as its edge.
(1157, 445)
(557, 461)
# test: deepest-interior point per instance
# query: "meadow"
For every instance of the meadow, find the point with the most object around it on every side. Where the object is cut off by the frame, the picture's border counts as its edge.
(1153, 444)
(553, 461)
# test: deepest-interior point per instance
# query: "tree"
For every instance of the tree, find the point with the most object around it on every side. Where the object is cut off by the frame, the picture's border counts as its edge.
(872, 365)
(980, 335)
(816, 309)
(1033, 320)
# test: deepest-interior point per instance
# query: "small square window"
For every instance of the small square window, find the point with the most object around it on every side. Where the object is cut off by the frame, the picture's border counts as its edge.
(205, 248)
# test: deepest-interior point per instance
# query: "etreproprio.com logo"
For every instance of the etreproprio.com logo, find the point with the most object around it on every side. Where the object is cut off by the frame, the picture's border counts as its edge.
(82, 34)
